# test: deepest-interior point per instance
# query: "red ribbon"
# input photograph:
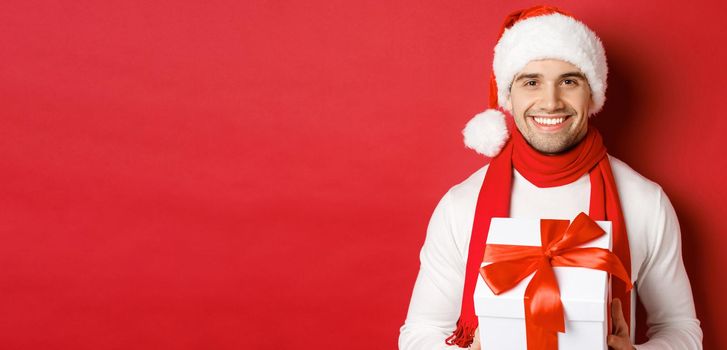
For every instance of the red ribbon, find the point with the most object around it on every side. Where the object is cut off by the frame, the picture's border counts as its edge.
(510, 264)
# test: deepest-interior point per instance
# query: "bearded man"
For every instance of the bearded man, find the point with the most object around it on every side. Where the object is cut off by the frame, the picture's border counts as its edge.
(549, 73)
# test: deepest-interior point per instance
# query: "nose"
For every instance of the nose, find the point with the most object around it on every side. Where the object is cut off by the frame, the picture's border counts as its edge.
(551, 98)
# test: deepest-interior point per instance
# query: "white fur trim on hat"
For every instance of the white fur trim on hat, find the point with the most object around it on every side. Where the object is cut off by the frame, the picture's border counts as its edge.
(550, 36)
(486, 132)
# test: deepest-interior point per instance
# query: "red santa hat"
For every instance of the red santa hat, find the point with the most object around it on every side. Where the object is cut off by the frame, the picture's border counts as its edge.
(540, 32)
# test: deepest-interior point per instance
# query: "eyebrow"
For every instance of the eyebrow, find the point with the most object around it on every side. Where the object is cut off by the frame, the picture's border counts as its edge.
(564, 75)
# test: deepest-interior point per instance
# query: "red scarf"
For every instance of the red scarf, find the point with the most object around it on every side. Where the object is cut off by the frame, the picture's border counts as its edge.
(589, 156)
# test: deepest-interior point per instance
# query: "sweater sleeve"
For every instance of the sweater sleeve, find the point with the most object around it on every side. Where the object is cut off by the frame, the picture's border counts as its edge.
(435, 302)
(664, 289)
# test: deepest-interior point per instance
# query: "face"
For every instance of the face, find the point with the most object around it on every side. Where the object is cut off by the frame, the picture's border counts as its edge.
(549, 100)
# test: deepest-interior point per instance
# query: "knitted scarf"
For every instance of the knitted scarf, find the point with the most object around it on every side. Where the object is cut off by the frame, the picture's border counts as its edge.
(589, 156)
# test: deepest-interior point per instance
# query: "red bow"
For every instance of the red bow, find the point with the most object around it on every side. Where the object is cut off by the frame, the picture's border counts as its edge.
(510, 264)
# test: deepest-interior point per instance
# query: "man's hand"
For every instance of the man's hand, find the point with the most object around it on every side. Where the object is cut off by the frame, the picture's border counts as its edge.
(476, 342)
(619, 340)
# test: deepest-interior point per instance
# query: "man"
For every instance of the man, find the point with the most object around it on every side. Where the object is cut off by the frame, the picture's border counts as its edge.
(549, 73)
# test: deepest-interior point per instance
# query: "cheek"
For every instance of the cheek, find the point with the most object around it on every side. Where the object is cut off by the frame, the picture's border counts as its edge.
(518, 113)
(581, 100)
(578, 103)
(519, 104)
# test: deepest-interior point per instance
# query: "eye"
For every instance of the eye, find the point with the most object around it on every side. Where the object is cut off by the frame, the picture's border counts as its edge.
(530, 83)
(570, 82)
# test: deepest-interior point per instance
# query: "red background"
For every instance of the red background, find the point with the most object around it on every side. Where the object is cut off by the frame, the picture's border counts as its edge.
(227, 174)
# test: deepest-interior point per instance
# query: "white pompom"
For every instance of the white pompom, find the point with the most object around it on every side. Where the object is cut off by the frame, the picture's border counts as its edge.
(486, 132)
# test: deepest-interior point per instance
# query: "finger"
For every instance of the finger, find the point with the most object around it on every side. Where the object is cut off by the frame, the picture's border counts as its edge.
(618, 343)
(476, 342)
(619, 322)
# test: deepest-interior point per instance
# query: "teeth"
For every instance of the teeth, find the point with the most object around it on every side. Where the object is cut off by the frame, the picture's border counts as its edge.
(549, 121)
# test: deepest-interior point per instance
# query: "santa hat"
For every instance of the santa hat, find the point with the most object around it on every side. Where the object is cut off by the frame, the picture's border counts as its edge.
(539, 32)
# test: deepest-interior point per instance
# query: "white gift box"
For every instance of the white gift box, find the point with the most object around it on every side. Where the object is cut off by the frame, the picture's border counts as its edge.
(584, 293)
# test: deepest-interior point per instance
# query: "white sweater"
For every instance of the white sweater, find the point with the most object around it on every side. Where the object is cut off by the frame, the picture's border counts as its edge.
(657, 268)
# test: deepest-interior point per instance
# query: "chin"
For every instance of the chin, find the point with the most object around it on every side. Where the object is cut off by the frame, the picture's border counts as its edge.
(551, 143)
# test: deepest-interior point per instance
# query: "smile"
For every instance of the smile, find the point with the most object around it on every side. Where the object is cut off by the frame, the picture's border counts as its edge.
(549, 123)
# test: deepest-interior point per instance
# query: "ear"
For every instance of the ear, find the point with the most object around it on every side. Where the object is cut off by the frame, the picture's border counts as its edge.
(508, 103)
(591, 107)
